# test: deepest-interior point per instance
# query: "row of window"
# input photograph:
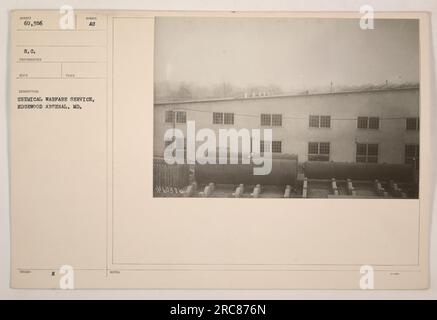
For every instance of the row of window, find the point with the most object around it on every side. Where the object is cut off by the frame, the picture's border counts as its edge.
(320, 151)
(275, 120)
(365, 152)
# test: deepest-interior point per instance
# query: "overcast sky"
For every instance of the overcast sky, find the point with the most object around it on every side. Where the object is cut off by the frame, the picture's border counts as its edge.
(296, 54)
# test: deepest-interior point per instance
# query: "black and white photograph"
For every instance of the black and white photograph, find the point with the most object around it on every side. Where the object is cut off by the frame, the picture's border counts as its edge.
(273, 107)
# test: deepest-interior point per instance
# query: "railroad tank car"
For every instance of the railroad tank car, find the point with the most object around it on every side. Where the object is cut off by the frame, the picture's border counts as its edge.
(284, 172)
(359, 171)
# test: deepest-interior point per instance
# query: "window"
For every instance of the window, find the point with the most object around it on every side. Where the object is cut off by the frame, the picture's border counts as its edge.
(362, 122)
(325, 121)
(318, 151)
(276, 146)
(274, 120)
(368, 123)
(264, 146)
(324, 148)
(320, 121)
(181, 117)
(314, 121)
(412, 124)
(412, 154)
(367, 152)
(266, 119)
(222, 118)
(361, 152)
(313, 148)
(169, 116)
(373, 123)
(228, 118)
(217, 118)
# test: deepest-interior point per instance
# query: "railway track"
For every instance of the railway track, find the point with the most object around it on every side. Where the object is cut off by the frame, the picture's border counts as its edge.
(308, 188)
(288, 179)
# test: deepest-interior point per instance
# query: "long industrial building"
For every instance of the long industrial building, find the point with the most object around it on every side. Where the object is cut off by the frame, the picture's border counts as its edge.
(365, 126)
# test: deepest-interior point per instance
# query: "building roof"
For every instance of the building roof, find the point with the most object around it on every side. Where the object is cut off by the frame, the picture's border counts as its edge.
(286, 95)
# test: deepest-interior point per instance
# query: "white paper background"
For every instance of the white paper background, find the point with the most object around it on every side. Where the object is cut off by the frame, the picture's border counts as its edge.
(226, 5)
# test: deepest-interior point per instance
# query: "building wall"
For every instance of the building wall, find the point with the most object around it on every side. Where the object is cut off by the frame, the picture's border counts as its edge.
(391, 106)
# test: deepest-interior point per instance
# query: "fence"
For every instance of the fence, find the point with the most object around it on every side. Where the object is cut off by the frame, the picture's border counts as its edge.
(169, 178)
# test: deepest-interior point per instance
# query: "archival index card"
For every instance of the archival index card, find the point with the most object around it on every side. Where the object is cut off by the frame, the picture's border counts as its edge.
(219, 150)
